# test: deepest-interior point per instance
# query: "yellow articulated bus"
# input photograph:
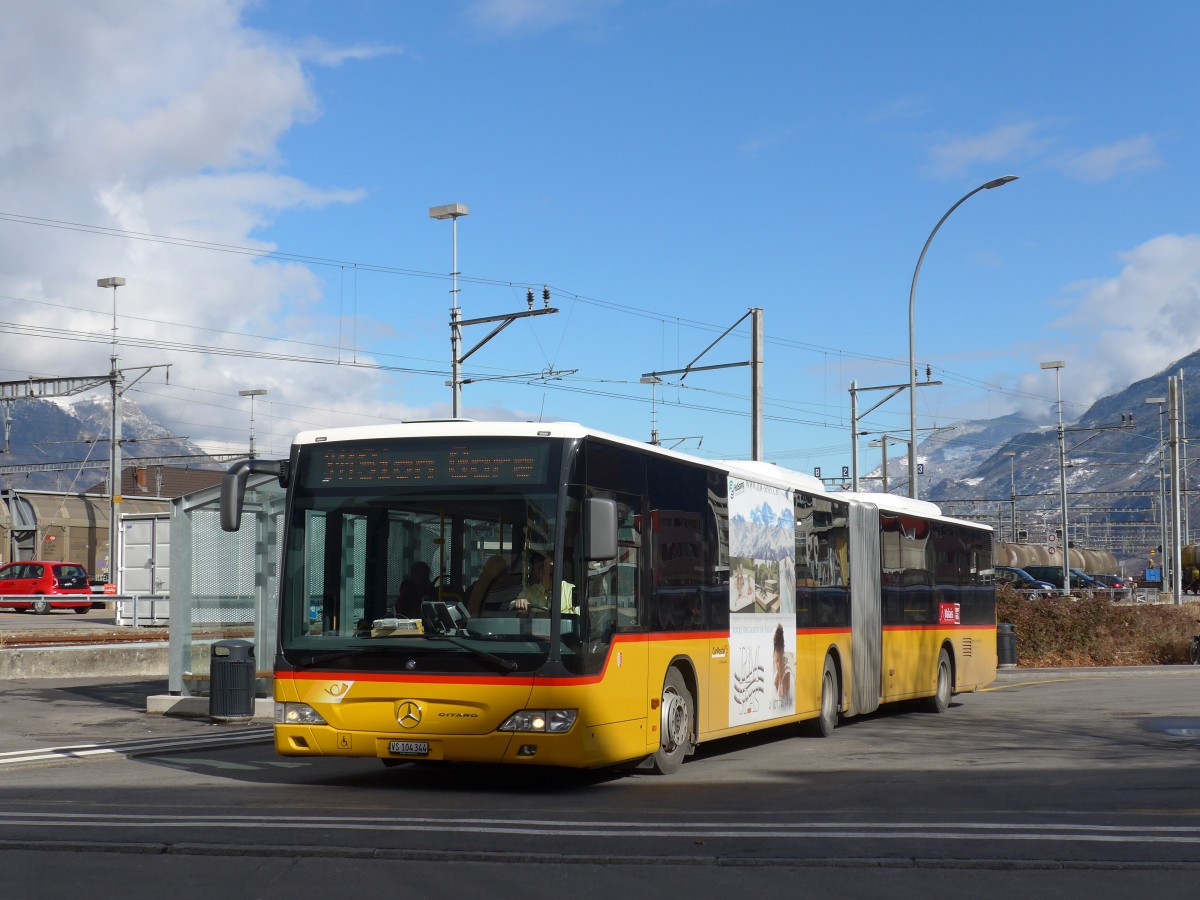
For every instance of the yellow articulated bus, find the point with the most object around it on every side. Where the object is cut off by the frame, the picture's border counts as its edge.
(544, 594)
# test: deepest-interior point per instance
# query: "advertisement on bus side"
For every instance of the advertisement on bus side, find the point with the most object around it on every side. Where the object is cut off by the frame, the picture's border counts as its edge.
(762, 602)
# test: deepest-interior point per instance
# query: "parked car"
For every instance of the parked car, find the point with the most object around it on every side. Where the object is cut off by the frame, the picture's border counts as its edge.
(1089, 582)
(1019, 579)
(54, 585)
(1116, 582)
(1079, 580)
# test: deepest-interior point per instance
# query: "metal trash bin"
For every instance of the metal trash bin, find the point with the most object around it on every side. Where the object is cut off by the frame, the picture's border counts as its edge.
(1006, 646)
(232, 673)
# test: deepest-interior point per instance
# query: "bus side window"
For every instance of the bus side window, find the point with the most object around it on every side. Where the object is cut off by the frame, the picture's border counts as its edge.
(623, 578)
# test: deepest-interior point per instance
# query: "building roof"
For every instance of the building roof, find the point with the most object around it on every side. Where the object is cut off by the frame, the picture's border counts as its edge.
(161, 481)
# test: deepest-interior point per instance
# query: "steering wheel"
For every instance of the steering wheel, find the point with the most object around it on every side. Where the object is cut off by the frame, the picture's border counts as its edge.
(530, 609)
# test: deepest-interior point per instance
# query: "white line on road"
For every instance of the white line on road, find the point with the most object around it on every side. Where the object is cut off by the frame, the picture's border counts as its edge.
(142, 747)
(884, 831)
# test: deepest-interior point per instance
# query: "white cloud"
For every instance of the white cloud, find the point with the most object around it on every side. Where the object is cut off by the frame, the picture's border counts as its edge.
(323, 54)
(161, 118)
(511, 17)
(1004, 144)
(1126, 328)
(1031, 143)
(1105, 163)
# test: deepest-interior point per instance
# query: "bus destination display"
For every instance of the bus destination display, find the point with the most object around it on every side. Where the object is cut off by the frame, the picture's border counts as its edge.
(430, 466)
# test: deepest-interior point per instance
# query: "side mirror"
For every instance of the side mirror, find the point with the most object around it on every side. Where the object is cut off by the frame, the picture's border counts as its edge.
(600, 528)
(233, 487)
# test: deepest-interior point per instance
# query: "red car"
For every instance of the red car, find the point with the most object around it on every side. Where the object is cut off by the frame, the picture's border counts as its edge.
(57, 585)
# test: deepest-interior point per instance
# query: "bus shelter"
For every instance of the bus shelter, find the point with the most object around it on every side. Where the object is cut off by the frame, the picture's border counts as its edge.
(223, 585)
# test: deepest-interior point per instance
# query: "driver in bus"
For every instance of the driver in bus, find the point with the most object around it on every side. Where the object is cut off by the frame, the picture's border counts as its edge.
(536, 594)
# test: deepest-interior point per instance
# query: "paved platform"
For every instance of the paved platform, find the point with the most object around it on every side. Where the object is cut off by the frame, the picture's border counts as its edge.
(82, 712)
(92, 649)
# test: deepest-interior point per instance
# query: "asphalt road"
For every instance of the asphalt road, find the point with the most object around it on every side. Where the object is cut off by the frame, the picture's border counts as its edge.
(1049, 784)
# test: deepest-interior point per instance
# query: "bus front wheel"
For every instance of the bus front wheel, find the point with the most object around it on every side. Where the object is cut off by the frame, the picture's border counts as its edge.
(940, 701)
(676, 724)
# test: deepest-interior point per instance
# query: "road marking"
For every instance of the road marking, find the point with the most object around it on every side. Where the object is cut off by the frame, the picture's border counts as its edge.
(689, 830)
(127, 749)
(193, 762)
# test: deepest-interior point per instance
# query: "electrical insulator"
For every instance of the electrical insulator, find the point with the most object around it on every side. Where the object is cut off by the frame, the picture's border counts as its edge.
(929, 373)
(529, 298)
(546, 295)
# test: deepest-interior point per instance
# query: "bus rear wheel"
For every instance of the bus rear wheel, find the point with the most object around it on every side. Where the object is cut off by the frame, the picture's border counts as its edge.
(676, 724)
(826, 719)
(940, 701)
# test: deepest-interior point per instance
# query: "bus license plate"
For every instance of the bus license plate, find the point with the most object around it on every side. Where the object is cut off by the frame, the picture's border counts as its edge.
(409, 748)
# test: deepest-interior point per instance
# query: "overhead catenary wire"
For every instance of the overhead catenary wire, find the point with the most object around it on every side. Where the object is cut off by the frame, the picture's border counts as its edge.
(434, 368)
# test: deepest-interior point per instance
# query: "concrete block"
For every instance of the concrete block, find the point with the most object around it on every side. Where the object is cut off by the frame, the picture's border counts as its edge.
(141, 660)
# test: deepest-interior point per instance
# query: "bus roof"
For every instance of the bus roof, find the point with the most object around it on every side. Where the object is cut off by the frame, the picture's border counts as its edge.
(754, 470)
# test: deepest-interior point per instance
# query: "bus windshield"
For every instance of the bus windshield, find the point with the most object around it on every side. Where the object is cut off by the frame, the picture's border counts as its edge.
(425, 555)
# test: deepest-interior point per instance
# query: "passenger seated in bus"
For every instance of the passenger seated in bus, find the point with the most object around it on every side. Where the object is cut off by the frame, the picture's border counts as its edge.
(489, 580)
(536, 595)
(415, 590)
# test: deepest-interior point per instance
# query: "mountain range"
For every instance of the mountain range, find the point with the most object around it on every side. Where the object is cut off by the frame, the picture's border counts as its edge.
(975, 470)
(1112, 468)
(56, 445)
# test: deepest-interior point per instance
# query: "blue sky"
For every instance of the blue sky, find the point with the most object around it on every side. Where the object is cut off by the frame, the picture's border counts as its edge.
(261, 175)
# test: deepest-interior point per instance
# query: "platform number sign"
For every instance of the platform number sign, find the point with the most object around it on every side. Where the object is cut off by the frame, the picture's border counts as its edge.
(816, 471)
(845, 471)
(920, 468)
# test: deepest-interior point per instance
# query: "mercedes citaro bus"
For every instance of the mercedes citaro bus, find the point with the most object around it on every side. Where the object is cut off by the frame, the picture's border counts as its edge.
(594, 601)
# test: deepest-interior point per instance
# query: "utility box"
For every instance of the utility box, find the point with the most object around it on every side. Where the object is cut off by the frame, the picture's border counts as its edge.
(232, 673)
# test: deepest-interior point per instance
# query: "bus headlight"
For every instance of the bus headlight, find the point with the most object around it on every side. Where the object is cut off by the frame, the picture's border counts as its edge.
(552, 721)
(297, 714)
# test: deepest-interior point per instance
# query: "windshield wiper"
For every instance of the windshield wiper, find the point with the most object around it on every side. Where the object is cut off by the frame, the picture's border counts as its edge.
(318, 659)
(504, 665)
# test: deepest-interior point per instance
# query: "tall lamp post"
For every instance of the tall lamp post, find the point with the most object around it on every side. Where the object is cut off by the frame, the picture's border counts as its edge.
(912, 351)
(1162, 493)
(1057, 365)
(114, 448)
(453, 212)
(1012, 490)
(256, 392)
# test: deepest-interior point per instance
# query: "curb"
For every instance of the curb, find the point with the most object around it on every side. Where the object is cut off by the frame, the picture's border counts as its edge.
(141, 660)
(198, 708)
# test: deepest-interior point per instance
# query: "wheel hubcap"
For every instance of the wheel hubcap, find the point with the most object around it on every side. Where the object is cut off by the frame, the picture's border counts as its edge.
(674, 721)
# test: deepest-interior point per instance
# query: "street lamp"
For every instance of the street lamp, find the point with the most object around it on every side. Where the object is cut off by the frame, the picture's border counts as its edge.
(1012, 489)
(1162, 492)
(1057, 365)
(256, 392)
(912, 352)
(114, 443)
(453, 211)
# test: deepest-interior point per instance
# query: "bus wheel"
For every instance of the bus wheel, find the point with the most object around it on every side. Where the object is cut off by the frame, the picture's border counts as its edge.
(676, 726)
(940, 701)
(826, 721)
